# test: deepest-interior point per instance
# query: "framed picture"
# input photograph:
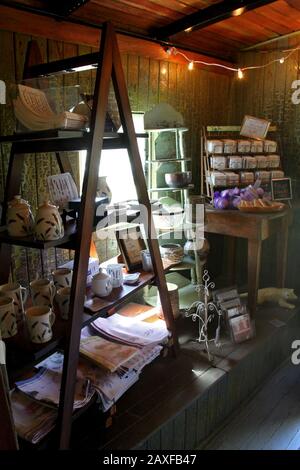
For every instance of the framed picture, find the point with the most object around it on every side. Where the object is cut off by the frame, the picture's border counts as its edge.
(254, 127)
(281, 189)
(131, 244)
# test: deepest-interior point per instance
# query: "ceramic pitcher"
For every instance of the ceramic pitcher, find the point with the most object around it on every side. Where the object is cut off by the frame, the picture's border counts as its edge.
(48, 225)
(19, 218)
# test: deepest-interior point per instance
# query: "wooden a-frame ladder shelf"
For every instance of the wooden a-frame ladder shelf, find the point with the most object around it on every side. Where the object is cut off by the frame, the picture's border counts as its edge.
(109, 66)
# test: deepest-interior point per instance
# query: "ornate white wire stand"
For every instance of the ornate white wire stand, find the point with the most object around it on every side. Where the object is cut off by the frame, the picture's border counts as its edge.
(204, 311)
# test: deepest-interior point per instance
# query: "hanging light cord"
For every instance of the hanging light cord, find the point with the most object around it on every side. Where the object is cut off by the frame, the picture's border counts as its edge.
(240, 70)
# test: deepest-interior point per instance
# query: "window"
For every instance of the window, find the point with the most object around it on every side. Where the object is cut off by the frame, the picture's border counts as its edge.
(115, 165)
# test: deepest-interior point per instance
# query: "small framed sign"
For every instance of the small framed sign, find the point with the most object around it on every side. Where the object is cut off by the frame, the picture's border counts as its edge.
(281, 189)
(131, 244)
(254, 127)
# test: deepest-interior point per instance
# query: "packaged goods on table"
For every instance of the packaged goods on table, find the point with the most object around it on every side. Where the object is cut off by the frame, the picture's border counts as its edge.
(273, 161)
(244, 146)
(218, 162)
(249, 162)
(232, 179)
(277, 174)
(235, 162)
(257, 146)
(218, 178)
(214, 146)
(263, 176)
(261, 161)
(270, 146)
(230, 146)
(247, 177)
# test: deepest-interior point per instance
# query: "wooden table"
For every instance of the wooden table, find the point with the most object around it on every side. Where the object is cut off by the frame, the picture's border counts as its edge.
(256, 228)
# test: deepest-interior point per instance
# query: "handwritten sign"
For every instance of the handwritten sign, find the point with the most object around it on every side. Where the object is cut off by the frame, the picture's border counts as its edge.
(254, 127)
(281, 189)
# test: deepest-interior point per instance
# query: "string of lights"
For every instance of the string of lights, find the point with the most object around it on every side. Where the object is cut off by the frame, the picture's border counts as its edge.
(239, 70)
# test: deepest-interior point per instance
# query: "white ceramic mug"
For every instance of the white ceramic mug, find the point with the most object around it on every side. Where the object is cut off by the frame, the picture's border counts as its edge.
(18, 294)
(62, 298)
(8, 317)
(116, 273)
(43, 292)
(39, 321)
(62, 277)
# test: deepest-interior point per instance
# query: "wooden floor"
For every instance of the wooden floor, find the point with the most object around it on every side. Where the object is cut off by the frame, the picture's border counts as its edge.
(271, 418)
(178, 403)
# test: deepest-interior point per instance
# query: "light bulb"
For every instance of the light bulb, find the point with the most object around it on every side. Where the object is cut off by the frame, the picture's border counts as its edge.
(281, 60)
(240, 74)
(171, 51)
(163, 70)
(191, 65)
(238, 11)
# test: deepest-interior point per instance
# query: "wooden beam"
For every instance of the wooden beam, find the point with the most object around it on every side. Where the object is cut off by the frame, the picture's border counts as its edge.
(66, 7)
(207, 16)
(294, 3)
(42, 26)
(270, 41)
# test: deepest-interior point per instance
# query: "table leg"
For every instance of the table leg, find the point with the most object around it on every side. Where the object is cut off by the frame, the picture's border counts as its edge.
(254, 255)
(281, 252)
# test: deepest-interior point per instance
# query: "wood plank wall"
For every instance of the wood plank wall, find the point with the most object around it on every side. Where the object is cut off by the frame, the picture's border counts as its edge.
(202, 97)
(267, 93)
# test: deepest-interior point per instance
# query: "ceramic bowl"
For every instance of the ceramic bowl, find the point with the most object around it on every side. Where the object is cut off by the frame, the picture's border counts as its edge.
(178, 179)
(172, 252)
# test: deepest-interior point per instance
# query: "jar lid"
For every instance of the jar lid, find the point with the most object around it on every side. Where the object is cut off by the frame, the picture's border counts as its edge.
(47, 205)
(101, 275)
(18, 202)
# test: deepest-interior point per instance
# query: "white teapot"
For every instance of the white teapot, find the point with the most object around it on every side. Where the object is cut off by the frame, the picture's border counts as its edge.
(48, 223)
(101, 284)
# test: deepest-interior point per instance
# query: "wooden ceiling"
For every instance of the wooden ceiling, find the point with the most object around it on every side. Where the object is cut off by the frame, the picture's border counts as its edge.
(222, 39)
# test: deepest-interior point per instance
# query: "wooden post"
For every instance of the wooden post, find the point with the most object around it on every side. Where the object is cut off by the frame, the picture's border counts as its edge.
(138, 175)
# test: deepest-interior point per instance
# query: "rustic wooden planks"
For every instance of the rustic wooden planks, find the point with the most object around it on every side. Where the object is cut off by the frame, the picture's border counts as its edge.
(270, 420)
(149, 82)
(267, 93)
(183, 409)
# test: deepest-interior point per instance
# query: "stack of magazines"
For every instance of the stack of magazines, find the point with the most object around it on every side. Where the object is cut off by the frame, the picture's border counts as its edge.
(44, 387)
(33, 111)
(106, 367)
(33, 420)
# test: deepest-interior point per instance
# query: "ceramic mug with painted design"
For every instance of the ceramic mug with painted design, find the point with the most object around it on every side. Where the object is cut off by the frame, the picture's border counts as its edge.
(63, 301)
(18, 294)
(39, 320)
(8, 318)
(62, 277)
(42, 292)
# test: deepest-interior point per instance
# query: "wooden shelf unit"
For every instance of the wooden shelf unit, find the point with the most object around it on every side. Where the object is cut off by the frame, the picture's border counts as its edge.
(152, 161)
(227, 132)
(108, 63)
